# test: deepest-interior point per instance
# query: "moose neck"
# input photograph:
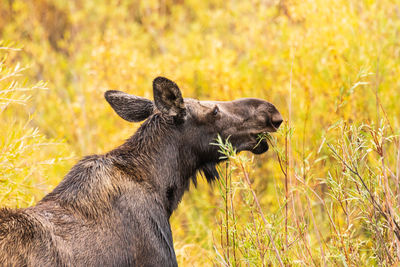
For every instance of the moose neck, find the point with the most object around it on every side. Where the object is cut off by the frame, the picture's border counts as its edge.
(156, 156)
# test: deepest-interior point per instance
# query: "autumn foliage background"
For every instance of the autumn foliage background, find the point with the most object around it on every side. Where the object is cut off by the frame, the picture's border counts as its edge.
(328, 189)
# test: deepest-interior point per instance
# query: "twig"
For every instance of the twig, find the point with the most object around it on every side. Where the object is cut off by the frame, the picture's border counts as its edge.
(261, 214)
(372, 199)
(226, 211)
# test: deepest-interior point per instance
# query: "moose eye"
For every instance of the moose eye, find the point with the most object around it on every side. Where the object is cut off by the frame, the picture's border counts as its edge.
(215, 111)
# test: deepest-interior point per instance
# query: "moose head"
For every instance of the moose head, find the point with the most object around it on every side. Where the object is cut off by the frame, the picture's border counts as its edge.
(196, 124)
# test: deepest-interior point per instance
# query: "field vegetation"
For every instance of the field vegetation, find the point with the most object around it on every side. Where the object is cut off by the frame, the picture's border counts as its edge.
(328, 191)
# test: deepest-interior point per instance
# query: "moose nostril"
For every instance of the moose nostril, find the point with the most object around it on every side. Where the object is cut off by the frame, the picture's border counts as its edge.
(276, 120)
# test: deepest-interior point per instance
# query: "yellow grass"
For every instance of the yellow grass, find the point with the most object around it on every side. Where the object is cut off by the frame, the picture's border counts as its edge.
(330, 66)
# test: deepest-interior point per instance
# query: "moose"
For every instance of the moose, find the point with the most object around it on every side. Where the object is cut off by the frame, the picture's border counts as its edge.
(114, 209)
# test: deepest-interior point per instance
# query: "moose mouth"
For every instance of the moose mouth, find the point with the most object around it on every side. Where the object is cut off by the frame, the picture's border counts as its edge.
(261, 145)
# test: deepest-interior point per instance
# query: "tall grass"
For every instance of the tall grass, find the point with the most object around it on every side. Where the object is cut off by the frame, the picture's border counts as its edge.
(24, 152)
(350, 217)
(241, 243)
(327, 191)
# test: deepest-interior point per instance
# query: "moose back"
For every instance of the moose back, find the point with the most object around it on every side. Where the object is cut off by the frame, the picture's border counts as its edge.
(114, 209)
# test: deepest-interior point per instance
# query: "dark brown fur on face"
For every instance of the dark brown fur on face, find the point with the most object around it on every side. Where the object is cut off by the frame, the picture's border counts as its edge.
(114, 209)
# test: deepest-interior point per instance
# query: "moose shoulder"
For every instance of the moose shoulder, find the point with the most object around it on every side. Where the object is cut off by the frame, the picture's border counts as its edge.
(114, 209)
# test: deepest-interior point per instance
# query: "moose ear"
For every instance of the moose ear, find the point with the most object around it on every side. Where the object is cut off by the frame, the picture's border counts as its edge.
(168, 98)
(129, 107)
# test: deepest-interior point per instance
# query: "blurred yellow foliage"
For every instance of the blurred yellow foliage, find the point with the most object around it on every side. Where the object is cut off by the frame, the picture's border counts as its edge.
(321, 62)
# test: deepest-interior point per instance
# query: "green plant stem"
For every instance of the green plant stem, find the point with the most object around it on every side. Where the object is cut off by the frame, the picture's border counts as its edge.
(372, 199)
(261, 214)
